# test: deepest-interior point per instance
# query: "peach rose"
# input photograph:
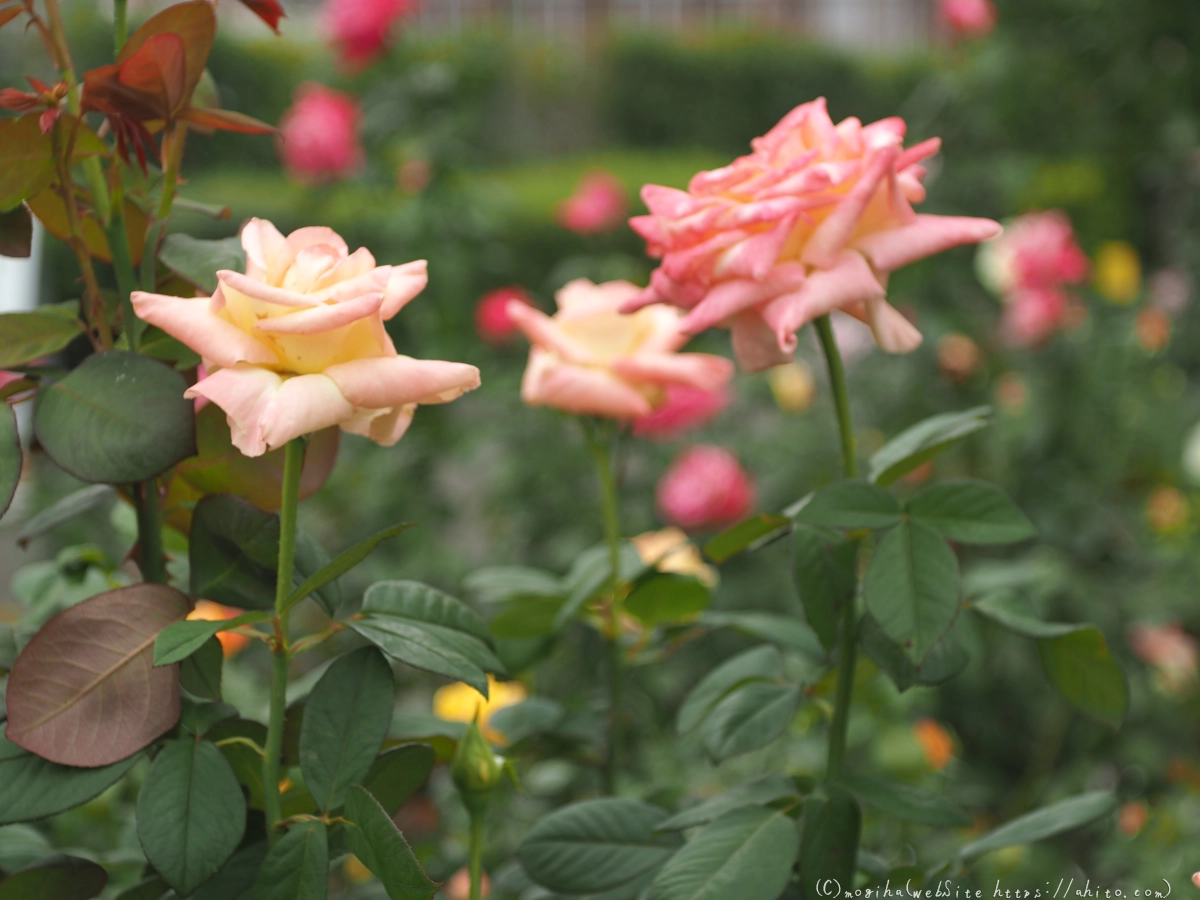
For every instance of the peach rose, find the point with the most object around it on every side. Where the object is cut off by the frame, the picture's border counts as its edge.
(811, 221)
(297, 343)
(589, 359)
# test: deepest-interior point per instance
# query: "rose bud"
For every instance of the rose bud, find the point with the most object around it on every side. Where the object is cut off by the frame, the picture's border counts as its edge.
(475, 769)
(598, 205)
(705, 487)
(968, 18)
(319, 135)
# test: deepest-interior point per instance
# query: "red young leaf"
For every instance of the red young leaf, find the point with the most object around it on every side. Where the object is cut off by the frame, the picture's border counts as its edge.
(7, 15)
(226, 120)
(157, 69)
(268, 10)
(194, 23)
(85, 691)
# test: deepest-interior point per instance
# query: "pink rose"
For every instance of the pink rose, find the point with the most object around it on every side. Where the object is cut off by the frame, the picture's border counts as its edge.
(685, 408)
(493, 324)
(1170, 650)
(969, 18)
(319, 135)
(1032, 316)
(361, 29)
(1037, 250)
(811, 221)
(297, 343)
(589, 359)
(704, 487)
(599, 204)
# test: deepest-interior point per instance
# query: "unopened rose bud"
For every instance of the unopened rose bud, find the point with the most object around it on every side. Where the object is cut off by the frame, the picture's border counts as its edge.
(476, 769)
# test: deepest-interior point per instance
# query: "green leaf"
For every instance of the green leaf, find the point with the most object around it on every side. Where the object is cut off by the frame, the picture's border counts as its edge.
(591, 575)
(945, 659)
(64, 510)
(234, 738)
(495, 583)
(181, 640)
(1016, 613)
(27, 336)
(786, 631)
(198, 261)
(198, 718)
(190, 813)
(759, 792)
(594, 846)
(235, 880)
(345, 721)
(911, 587)
(832, 826)
(923, 441)
(526, 616)
(395, 775)
(971, 512)
(343, 563)
(200, 673)
(55, 878)
(381, 848)
(1084, 671)
(746, 853)
(26, 159)
(667, 597)
(903, 801)
(759, 664)
(750, 717)
(851, 504)
(118, 418)
(152, 888)
(824, 565)
(734, 540)
(1043, 823)
(297, 867)
(34, 788)
(10, 456)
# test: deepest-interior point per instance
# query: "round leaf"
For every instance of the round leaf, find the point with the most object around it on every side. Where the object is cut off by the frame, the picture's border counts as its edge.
(33, 788)
(118, 418)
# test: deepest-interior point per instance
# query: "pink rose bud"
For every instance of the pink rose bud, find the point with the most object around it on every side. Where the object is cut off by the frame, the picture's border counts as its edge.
(705, 487)
(598, 205)
(319, 135)
(969, 18)
(686, 408)
(493, 323)
(362, 29)
(1032, 316)
(812, 221)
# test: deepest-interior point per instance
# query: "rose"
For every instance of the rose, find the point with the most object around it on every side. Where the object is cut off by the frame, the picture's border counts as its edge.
(704, 487)
(811, 221)
(1171, 650)
(297, 343)
(970, 18)
(319, 135)
(599, 204)
(1032, 315)
(493, 324)
(361, 29)
(591, 360)
(685, 408)
(1037, 250)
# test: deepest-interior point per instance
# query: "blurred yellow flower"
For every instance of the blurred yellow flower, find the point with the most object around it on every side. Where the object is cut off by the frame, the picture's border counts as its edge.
(356, 872)
(459, 702)
(670, 551)
(1166, 510)
(1118, 272)
(207, 611)
(793, 386)
(935, 742)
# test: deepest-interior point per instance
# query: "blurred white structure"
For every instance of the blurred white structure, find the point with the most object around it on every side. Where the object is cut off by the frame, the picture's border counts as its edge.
(19, 277)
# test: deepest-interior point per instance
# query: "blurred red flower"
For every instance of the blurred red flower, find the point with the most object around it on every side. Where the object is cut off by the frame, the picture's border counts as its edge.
(1031, 316)
(704, 487)
(319, 135)
(969, 18)
(686, 408)
(598, 205)
(493, 324)
(361, 29)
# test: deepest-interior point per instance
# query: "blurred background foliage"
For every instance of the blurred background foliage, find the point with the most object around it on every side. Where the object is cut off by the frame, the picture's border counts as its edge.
(1089, 106)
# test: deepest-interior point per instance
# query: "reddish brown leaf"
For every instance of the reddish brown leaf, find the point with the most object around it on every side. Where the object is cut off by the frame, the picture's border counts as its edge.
(193, 23)
(85, 691)
(226, 120)
(48, 207)
(7, 15)
(19, 101)
(268, 10)
(157, 70)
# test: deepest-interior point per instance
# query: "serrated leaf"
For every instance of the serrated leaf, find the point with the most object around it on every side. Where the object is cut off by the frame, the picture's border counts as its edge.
(1065, 815)
(759, 792)
(971, 512)
(34, 788)
(27, 336)
(342, 563)
(759, 664)
(345, 721)
(824, 565)
(1083, 669)
(829, 849)
(667, 597)
(594, 846)
(190, 813)
(198, 261)
(381, 848)
(734, 540)
(903, 801)
(26, 159)
(297, 867)
(181, 640)
(851, 505)
(396, 774)
(750, 717)
(923, 441)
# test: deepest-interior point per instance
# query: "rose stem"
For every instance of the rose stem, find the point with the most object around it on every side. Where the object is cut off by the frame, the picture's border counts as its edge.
(476, 864)
(281, 651)
(849, 646)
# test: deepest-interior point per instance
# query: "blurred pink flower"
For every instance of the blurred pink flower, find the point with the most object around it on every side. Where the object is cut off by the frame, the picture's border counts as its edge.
(686, 408)
(705, 487)
(1037, 250)
(1196, 879)
(319, 135)
(599, 204)
(812, 221)
(1031, 316)
(361, 29)
(1170, 650)
(493, 324)
(968, 18)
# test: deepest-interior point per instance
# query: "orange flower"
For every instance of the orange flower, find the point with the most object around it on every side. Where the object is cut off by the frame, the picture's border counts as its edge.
(936, 743)
(207, 611)
(1132, 817)
(1166, 510)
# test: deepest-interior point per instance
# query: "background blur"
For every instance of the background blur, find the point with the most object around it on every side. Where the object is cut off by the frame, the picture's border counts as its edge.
(482, 118)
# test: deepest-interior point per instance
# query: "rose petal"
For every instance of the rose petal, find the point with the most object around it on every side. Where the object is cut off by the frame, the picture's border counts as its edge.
(404, 283)
(850, 281)
(832, 235)
(580, 390)
(259, 290)
(383, 427)
(401, 380)
(194, 322)
(267, 252)
(544, 332)
(897, 247)
(699, 370)
(755, 345)
(244, 392)
(325, 317)
(318, 235)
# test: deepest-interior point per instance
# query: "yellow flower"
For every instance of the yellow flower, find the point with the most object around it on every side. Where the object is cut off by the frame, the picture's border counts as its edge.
(936, 743)
(793, 386)
(355, 871)
(670, 551)
(459, 702)
(1118, 272)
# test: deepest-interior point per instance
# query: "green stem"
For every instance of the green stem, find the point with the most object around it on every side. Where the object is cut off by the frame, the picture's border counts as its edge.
(476, 864)
(612, 531)
(120, 25)
(849, 636)
(293, 462)
(127, 282)
(149, 522)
